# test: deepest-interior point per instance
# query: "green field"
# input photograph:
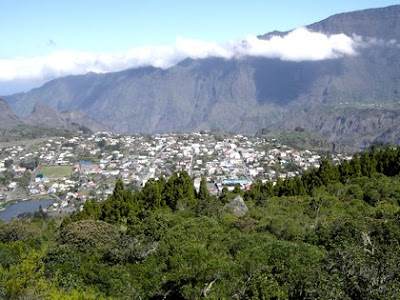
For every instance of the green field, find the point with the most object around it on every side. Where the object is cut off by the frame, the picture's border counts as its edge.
(55, 171)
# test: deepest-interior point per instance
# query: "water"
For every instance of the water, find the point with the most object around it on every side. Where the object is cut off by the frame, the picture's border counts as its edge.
(29, 206)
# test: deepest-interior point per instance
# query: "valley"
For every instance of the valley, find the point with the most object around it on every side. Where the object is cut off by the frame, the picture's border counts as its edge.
(263, 168)
(73, 169)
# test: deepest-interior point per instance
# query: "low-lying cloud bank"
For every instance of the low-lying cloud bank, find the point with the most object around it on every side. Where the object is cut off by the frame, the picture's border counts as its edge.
(299, 45)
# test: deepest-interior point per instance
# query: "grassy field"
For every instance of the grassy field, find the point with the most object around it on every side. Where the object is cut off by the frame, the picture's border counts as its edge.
(55, 171)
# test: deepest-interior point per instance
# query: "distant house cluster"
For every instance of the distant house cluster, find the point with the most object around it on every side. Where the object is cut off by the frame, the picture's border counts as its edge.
(81, 167)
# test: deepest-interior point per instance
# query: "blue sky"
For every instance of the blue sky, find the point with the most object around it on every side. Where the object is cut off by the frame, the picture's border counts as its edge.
(41, 28)
(38, 27)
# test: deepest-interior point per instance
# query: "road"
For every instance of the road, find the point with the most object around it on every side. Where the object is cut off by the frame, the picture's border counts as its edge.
(145, 174)
(192, 163)
(246, 172)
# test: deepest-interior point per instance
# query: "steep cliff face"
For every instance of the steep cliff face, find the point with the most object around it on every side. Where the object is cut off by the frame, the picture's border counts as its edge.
(247, 94)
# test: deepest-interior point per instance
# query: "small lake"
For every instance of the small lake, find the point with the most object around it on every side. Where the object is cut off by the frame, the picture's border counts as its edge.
(29, 206)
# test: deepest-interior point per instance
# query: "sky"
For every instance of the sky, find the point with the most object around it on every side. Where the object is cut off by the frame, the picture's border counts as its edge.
(44, 39)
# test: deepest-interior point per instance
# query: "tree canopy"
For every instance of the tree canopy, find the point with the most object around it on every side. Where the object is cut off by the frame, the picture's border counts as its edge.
(333, 233)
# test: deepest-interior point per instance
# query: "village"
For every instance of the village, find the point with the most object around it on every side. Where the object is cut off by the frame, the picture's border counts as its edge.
(72, 170)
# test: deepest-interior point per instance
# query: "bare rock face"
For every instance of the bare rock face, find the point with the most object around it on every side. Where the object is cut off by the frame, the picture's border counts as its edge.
(237, 207)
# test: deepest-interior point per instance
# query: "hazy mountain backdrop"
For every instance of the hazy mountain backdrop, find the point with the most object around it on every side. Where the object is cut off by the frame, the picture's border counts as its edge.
(351, 99)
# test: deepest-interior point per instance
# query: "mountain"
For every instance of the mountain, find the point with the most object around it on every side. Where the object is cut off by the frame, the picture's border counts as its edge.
(7, 118)
(44, 115)
(84, 122)
(350, 99)
(380, 23)
(43, 121)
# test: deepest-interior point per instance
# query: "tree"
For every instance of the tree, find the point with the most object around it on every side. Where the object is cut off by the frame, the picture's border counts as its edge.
(328, 172)
(91, 211)
(101, 144)
(367, 165)
(355, 166)
(204, 194)
(278, 188)
(345, 171)
(237, 190)
(8, 163)
(24, 280)
(152, 195)
(179, 189)
(311, 180)
(113, 208)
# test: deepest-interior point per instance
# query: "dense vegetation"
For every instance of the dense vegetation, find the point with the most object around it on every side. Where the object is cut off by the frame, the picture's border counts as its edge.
(333, 233)
(29, 132)
(301, 139)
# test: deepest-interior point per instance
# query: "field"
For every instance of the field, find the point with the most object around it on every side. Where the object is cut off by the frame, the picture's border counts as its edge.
(55, 171)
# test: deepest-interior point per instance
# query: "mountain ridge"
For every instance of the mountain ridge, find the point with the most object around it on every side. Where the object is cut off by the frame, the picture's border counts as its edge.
(7, 118)
(246, 94)
(339, 23)
(45, 116)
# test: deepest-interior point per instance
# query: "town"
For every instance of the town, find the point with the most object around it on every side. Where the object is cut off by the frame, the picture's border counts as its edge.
(71, 170)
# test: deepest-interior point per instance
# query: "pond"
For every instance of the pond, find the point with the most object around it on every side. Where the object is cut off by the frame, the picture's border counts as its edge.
(29, 206)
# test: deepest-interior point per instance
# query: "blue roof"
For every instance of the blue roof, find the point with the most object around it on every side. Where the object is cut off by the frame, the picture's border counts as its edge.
(235, 181)
(84, 162)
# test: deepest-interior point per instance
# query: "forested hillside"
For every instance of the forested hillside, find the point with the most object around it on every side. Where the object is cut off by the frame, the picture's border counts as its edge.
(333, 233)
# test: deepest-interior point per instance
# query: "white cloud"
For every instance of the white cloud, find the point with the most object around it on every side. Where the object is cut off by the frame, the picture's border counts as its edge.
(298, 45)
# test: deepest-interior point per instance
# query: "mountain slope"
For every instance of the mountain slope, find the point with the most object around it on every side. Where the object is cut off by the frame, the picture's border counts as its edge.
(8, 119)
(44, 115)
(381, 23)
(247, 94)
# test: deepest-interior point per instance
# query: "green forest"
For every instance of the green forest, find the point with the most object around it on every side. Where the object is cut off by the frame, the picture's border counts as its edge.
(333, 233)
